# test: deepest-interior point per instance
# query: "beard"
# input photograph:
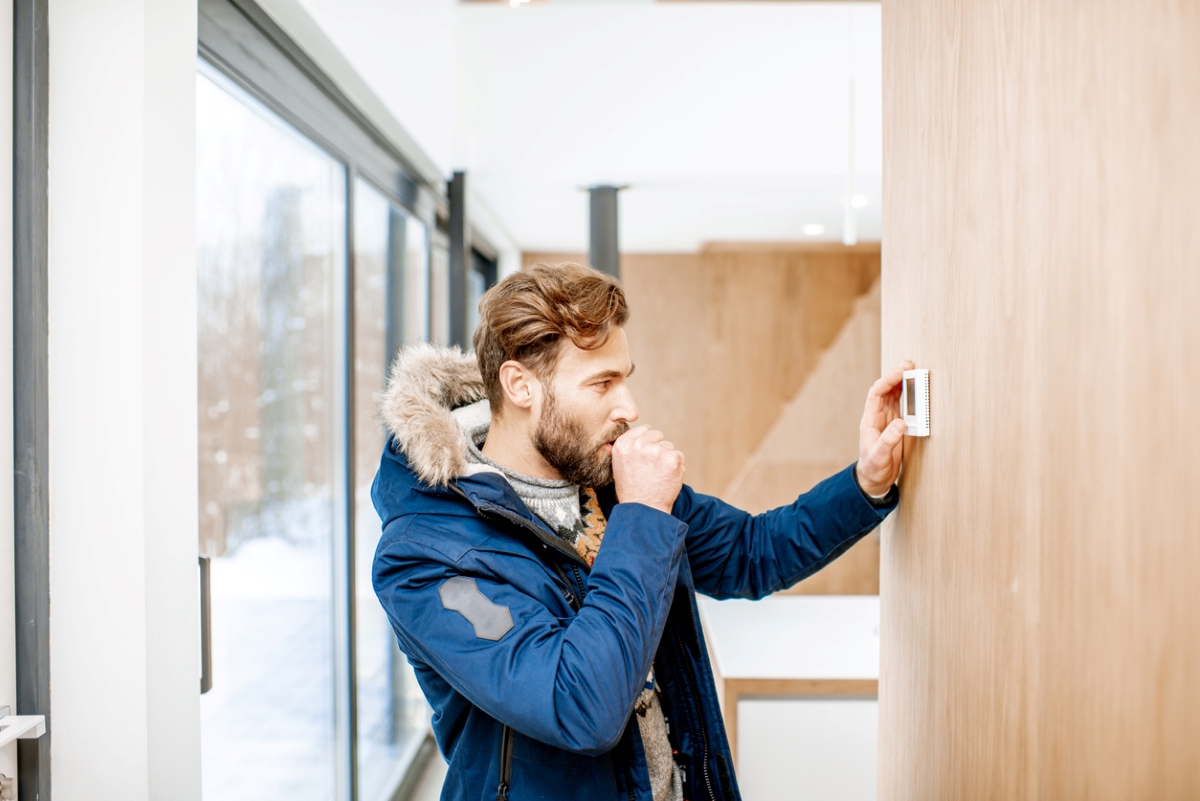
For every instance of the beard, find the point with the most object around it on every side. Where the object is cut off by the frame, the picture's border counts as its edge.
(564, 443)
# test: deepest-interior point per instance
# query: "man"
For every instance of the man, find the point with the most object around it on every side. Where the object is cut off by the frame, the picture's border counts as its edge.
(540, 556)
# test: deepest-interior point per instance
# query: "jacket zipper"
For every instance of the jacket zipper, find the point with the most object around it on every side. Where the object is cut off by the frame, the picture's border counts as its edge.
(572, 601)
(507, 735)
(498, 513)
(699, 717)
(506, 756)
(579, 580)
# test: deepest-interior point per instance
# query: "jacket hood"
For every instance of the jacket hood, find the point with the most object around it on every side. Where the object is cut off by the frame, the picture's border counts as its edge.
(425, 385)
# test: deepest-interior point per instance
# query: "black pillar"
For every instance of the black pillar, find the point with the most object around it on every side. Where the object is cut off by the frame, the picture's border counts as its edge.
(603, 249)
(460, 261)
(31, 409)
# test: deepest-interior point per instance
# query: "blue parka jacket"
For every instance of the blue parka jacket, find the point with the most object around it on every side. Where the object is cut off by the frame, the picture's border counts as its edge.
(531, 662)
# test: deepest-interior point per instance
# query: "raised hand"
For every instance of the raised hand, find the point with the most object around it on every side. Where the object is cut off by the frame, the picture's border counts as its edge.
(881, 435)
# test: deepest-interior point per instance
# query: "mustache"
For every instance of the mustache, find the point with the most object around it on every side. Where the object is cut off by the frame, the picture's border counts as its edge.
(616, 431)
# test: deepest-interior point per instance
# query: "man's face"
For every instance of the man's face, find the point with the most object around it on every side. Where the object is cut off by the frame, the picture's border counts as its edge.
(586, 405)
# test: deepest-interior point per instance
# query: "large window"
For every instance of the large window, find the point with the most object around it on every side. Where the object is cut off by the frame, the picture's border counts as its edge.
(314, 262)
(271, 232)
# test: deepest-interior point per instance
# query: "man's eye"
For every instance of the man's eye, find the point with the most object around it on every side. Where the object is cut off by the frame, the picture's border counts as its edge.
(602, 385)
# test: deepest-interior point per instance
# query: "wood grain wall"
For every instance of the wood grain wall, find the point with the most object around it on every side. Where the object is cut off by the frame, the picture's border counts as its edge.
(1039, 582)
(723, 340)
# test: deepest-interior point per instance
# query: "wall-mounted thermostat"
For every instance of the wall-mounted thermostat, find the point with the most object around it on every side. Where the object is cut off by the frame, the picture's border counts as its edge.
(914, 402)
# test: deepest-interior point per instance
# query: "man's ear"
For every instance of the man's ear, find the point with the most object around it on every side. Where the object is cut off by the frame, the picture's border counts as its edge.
(520, 386)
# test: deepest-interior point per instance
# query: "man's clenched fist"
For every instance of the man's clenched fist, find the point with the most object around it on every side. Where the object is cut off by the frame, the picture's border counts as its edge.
(647, 469)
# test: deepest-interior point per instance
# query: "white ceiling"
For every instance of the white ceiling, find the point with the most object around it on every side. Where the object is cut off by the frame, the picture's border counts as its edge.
(727, 121)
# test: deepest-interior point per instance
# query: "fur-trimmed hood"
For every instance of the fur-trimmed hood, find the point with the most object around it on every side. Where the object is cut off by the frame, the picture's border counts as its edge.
(425, 384)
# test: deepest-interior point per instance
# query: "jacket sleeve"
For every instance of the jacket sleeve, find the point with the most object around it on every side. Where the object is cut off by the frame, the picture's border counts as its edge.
(570, 683)
(733, 554)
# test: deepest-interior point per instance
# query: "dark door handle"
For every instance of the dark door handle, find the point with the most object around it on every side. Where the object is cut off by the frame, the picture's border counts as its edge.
(205, 624)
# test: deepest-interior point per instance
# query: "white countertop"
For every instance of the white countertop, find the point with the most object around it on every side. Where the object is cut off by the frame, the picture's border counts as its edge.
(794, 637)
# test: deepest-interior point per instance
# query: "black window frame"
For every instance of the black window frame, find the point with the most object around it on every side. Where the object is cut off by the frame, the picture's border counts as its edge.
(31, 389)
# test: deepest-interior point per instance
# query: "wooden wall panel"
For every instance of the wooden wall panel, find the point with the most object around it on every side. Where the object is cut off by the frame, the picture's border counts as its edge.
(1039, 602)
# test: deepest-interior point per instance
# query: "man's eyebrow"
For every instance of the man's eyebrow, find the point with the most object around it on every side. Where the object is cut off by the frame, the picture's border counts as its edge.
(609, 374)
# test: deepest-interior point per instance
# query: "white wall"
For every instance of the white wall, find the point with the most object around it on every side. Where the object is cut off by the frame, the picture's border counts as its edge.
(8, 645)
(124, 607)
(726, 120)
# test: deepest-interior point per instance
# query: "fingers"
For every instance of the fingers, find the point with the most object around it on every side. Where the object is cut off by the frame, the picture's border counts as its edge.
(644, 434)
(882, 397)
(892, 436)
(633, 433)
(880, 452)
(643, 439)
(882, 462)
(879, 406)
(889, 439)
(890, 381)
(647, 469)
(885, 384)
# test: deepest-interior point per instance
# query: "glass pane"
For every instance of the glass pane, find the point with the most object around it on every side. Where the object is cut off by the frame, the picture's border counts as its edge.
(415, 279)
(476, 286)
(390, 275)
(270, 226)
(480, 279)
(439, 295)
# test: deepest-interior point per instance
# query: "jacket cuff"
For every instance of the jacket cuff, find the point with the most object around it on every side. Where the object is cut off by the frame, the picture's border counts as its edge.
(886, 501)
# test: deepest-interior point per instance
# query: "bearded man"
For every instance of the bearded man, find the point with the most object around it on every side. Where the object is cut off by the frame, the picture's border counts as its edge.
(540, 556)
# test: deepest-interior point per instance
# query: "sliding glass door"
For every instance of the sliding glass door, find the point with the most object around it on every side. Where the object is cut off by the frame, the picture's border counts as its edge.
(391, 267)
(309, 277)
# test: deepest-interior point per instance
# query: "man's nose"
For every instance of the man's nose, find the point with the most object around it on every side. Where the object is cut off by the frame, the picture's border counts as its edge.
(626, 410)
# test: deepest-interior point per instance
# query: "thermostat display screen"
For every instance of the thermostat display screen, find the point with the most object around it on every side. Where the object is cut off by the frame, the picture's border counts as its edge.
(914, 402)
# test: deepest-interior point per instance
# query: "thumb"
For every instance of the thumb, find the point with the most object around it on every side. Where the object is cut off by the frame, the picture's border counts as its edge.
(891, 436)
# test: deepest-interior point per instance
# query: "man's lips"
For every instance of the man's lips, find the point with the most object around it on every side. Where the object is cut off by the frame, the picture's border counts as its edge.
(608, 446)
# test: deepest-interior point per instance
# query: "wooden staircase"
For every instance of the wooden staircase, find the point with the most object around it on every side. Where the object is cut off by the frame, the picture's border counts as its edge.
(815, 436)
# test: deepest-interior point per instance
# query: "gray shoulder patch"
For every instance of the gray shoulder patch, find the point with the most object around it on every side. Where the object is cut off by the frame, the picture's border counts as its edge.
(462, 594)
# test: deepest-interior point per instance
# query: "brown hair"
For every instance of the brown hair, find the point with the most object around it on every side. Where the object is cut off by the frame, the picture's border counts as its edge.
(527, 316)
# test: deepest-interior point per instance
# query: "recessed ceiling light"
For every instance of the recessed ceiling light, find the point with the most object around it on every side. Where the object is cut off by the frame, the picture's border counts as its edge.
(858, 201)
(813, 229)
